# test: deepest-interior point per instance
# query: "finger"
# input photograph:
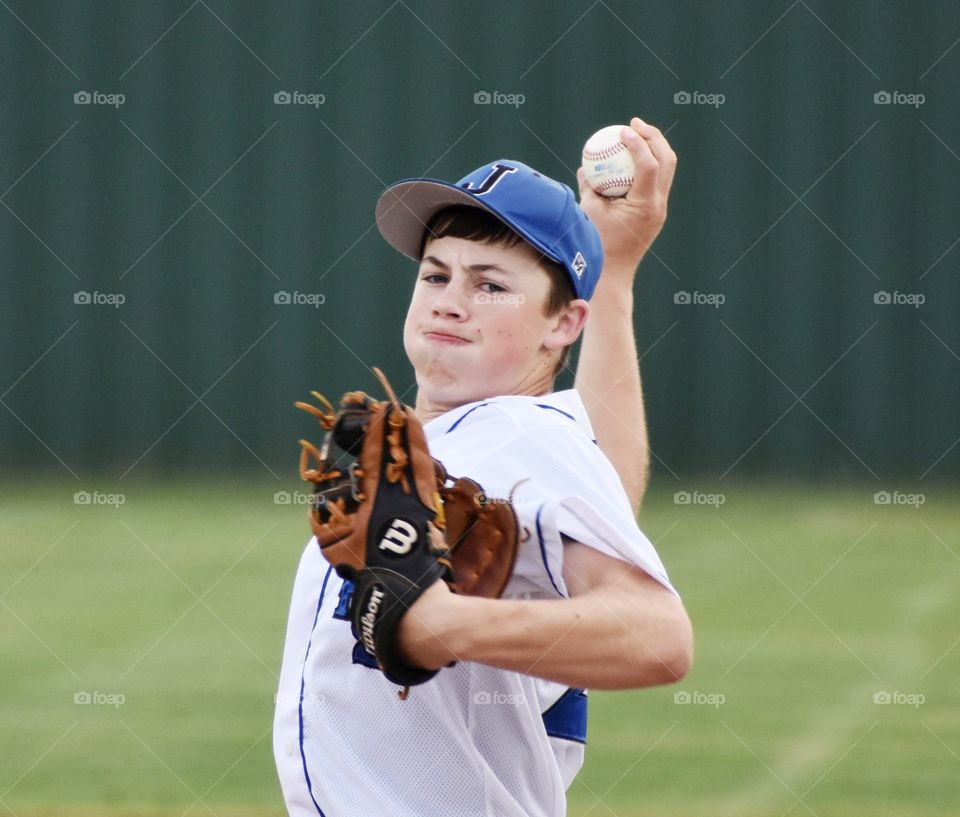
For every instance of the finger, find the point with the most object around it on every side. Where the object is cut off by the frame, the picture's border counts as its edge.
(660, 148)
(646, 173)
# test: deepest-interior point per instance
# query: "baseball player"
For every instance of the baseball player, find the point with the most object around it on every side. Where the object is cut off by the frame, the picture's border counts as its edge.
(508, 264)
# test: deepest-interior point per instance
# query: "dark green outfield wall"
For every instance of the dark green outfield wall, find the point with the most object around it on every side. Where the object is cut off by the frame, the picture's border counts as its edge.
(798, 199)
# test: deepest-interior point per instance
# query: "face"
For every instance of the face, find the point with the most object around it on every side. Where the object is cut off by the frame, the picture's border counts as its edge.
(476, 326)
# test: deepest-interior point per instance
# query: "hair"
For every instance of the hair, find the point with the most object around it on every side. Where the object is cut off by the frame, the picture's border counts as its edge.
(474, 224)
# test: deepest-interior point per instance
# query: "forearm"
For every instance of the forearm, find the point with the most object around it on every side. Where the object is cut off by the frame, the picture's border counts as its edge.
(608, 376)
(608, 380)
(600, 640)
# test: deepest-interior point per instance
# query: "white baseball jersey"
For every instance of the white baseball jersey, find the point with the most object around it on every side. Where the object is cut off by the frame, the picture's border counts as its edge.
(474, 741)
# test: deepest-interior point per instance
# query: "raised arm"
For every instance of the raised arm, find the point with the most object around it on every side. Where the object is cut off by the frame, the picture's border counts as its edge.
(608, 371)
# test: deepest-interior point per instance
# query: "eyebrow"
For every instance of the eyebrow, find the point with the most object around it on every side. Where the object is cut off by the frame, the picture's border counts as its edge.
(474, 268)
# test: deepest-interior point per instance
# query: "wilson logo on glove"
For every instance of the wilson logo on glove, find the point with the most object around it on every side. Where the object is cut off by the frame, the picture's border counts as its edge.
(400, 538)
(369, 619)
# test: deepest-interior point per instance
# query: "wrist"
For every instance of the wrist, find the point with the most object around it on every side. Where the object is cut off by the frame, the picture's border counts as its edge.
(615, 289)
(428, 633)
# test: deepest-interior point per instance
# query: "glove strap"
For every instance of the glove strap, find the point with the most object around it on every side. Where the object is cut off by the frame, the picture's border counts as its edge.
(381, 598)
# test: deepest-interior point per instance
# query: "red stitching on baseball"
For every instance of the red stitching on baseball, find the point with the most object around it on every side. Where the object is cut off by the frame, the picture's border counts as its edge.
(617, 181)
(605, 153)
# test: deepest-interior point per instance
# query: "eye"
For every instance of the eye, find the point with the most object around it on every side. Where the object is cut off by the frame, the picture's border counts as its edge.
(489, 286)
(434, 277)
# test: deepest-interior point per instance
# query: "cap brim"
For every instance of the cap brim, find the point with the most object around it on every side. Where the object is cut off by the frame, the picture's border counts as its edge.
(405, 208)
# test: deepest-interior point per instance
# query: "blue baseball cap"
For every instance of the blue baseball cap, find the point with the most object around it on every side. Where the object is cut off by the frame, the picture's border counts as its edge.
(540, 210)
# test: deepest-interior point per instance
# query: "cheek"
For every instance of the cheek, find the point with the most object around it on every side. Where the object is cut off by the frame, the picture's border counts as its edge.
(513, 339)
(410, 323)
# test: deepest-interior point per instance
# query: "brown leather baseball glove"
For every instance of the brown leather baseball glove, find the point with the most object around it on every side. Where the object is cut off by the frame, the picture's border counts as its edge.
(379, 501)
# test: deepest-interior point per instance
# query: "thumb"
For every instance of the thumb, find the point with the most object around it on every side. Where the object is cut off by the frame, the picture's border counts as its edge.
(587, 193)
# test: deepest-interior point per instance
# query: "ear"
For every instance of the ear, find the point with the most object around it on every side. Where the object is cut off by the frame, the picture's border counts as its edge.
(567, 324)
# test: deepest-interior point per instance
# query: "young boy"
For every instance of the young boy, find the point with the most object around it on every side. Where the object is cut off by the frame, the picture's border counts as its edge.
(508, 264)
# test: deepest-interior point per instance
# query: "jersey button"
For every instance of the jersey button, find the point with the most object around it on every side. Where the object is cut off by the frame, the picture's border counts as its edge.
(288, 747)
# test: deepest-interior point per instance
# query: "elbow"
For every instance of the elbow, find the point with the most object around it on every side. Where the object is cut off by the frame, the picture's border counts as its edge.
(670, 658)
(679, 659)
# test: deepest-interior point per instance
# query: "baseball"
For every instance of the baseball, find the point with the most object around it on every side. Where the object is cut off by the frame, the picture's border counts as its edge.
(608, 163)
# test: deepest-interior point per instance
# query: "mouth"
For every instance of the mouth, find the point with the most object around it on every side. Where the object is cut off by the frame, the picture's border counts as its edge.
(445, 337)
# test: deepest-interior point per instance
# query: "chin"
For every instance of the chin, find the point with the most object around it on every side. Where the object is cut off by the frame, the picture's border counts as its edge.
(445, 385)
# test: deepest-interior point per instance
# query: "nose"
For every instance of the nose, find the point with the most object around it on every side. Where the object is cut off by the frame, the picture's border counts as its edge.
(450, 302)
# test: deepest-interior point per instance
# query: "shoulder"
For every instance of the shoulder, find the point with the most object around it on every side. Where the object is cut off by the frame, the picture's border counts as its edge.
(541, 451)
(543, 443)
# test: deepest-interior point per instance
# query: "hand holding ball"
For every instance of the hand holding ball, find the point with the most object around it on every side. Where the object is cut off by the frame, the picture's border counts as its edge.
(608, 163)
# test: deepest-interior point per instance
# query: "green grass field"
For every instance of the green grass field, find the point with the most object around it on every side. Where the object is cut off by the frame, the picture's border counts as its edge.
(812, 606)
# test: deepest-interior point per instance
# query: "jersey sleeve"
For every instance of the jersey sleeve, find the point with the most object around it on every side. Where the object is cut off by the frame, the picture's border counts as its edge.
(585, 500)
(563, 485)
